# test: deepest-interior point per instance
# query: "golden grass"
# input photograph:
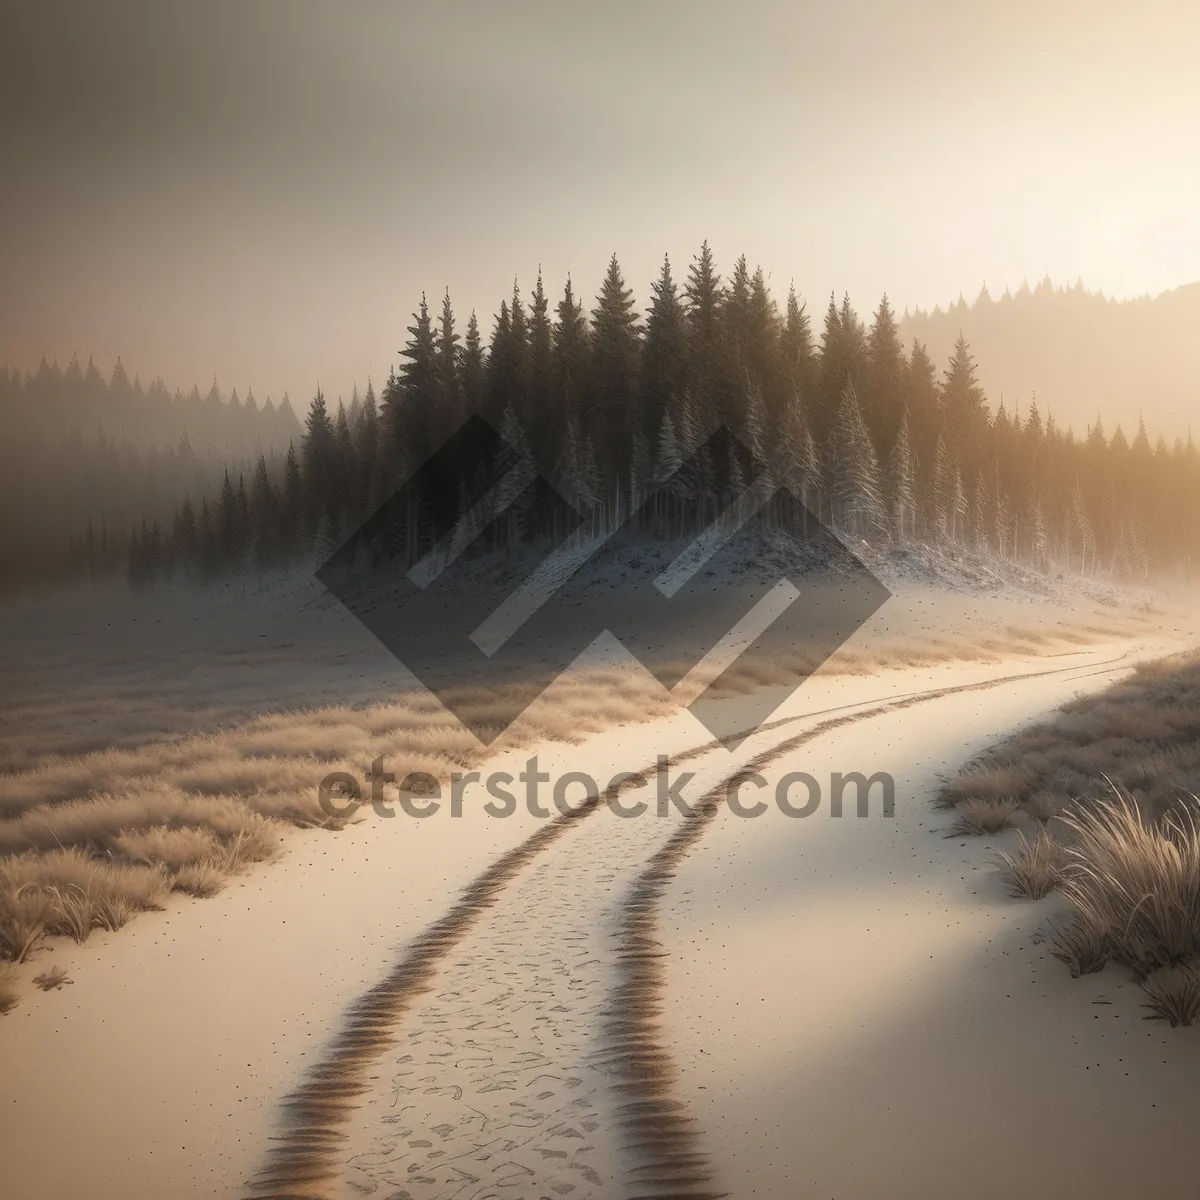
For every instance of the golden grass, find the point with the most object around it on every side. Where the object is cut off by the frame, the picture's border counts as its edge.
(71, 912)
(1143, 734)
(96, 863)
(1034, 869)
(1084, 948)
(173, 848)
(987, 782)
(1137, 881)
(66, 893)
(1173, 995)
(194, 809)
(24, 910)
(1118, 776)
(982, 816)
(200, 879)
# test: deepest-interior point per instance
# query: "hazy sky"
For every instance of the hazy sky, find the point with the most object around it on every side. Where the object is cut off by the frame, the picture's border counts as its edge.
(262, 190)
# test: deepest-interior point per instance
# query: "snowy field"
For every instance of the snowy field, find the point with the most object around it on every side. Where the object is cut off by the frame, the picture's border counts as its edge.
(832, 990)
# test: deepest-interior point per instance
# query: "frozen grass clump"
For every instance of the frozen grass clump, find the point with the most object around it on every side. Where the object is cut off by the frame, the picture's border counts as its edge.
(1034, 869)
(983, 815)
(1136, 880)
(1173, 995)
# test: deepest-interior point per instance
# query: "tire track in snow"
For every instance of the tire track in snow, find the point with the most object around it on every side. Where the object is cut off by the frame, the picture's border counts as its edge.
(308, 1160)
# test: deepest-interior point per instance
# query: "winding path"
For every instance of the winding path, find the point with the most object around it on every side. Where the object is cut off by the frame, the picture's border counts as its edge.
(517, 1047)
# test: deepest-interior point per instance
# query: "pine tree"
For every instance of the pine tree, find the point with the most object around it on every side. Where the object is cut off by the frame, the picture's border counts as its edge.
(703, 299)
(902, 483)
(842, 363)
(449, 409)
(320, 474)
(419, 386)
(885, 379)
(570, 355)
(341, 498)
(921, 402)
(520, 395)
(541, 372)
(616, 351)
(735, 316)
(664, 351)
(474, 375)
(790, 449)
(293, 509)
(796, 348)
(855, 486)
(762, 348)
(366, 452)
(1002, 515)
(501, 366)
(1081, 526)
(963, 404)
(264, 517)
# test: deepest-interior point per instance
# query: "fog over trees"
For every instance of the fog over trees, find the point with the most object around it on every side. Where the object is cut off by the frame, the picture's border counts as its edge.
(85, 459)
(1079, 352)
(880, 439)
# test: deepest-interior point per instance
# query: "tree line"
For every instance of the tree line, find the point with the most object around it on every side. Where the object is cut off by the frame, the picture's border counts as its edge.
(607, 404)
(84, 460)
(53, 403)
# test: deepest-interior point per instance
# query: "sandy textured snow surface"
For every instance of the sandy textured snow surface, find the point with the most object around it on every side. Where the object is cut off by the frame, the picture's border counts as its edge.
(170, 1052)
(851, 1004)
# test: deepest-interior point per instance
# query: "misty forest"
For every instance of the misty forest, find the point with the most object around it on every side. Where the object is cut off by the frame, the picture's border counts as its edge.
(877, 439)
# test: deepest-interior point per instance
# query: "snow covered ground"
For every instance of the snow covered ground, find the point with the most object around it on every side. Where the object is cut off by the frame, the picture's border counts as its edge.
(849, 1006)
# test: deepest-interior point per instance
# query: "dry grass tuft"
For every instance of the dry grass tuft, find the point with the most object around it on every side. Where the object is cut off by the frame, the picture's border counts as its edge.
(1143, 734)
(52, 980)
(113, 912)
(1081, 946)
(24, 910)
(986, 781)
(1173, 994)
(96, 863)
(1034, 869)
(201, 879)
(1129, 861)
(173, 848)
(1137, 881)
(982, 815)
(257, 842)
(71, 912)
(67, 893)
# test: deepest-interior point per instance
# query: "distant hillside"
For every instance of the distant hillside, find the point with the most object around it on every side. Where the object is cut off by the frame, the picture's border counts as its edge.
(1081, 354)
